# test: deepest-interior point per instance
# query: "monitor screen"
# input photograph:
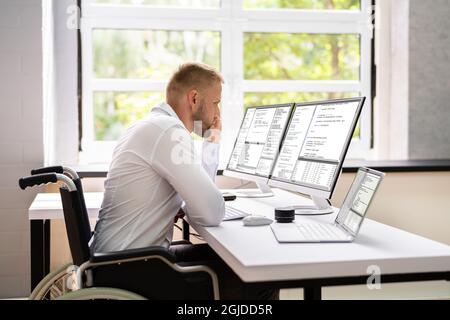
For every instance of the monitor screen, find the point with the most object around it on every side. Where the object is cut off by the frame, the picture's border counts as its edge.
(259, 138)
(316, 142)
(358, 200)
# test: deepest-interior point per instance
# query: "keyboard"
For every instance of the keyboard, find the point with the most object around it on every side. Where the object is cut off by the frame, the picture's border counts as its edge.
(234, 214)
(321, 231)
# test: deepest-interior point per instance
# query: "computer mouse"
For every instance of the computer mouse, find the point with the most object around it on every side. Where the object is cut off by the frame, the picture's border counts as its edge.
(256, 220)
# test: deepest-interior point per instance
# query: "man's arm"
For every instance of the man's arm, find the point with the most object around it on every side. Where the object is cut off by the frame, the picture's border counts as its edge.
(176, 161)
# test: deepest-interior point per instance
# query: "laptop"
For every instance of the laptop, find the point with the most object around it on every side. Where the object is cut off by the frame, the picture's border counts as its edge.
(348, 221)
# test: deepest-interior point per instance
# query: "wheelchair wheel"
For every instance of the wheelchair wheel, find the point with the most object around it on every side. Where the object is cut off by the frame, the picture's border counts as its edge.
(53, 285)
(101, 294)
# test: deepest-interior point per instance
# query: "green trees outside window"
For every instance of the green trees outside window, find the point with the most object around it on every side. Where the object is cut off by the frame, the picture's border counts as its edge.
(153, 55)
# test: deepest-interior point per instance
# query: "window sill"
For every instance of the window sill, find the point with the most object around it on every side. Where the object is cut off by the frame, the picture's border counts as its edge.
(399, 165)
(100, 170)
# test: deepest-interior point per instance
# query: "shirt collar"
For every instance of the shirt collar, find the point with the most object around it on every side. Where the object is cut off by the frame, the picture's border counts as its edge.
(165, 108)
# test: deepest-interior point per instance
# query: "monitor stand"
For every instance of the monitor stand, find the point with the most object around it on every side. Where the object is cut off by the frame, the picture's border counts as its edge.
(321, 207)
(263, 191)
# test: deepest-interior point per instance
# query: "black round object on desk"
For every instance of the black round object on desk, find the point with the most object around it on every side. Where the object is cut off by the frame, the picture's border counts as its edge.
(285, 215)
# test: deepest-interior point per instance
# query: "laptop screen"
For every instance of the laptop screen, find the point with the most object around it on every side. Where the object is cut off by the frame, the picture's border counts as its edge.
(358, 200)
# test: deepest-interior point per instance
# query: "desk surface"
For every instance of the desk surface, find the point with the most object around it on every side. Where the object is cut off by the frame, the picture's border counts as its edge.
(47, 206)
(255, 255)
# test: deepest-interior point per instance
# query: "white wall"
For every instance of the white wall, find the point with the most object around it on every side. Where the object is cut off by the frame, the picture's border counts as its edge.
(21, 131)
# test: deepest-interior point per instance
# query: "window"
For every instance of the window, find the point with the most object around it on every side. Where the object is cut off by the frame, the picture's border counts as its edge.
(269, 51)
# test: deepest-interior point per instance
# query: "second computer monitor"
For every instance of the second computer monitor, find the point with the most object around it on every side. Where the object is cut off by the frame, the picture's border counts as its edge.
(315, 145)
(258, 143)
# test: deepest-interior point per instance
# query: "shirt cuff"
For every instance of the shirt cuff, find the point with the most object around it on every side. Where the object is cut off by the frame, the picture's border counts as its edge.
(210, 158)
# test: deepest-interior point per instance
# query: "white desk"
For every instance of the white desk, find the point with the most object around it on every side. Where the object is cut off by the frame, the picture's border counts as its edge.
(48, 206)
(255, 255)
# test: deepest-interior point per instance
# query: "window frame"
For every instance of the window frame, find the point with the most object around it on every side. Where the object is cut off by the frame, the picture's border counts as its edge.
(232, 21)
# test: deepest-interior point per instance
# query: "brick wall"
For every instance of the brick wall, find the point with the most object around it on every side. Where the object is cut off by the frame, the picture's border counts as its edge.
(21, 135)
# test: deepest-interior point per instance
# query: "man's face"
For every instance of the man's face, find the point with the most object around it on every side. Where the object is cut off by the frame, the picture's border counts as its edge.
(208, 105)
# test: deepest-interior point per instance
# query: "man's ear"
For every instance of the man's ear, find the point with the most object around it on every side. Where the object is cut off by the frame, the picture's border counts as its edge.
(193, 97)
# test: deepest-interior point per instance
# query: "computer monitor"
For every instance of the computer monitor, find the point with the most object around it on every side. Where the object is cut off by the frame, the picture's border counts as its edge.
(314, 148)
(257, 146)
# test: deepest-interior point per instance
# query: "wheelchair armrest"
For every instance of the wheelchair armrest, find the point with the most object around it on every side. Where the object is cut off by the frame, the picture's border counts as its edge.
(133, 254)
(180, 242)
(150, 272)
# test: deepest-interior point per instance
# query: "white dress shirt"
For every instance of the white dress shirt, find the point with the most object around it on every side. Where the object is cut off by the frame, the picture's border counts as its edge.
(154, 169)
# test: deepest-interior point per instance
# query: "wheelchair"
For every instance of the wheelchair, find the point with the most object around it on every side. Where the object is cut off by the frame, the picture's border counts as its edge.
(134, 274)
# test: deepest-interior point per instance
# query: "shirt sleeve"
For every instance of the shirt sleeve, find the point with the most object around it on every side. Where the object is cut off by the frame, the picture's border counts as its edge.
(210, 158)
(175, 160)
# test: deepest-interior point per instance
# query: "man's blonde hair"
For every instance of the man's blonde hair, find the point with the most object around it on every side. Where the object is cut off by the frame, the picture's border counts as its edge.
(191, 75)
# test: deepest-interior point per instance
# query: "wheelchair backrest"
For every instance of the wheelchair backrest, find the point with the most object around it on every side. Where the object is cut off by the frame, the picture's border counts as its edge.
(77, 223)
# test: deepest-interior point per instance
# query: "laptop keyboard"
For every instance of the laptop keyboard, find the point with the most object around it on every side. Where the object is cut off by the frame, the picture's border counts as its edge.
(233, 214)
(319, 231)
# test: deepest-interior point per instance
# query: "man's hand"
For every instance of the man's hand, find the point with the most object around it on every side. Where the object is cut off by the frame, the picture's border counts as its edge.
(180, 215)
(215, 131)
(217, 123)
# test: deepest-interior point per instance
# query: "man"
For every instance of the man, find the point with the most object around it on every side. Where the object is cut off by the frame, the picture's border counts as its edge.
(155, 172)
